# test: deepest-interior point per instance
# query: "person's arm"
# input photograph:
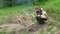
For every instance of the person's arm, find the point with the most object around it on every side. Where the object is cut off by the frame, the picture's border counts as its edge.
(44, 14)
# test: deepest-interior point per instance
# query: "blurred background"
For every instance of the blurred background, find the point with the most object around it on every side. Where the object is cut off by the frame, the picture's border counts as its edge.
(10, 9)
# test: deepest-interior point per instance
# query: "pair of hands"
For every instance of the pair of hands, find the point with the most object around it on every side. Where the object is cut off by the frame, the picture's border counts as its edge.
(42, 16)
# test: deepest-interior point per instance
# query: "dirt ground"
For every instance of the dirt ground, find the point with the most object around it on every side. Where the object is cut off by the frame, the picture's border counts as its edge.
(19, 28)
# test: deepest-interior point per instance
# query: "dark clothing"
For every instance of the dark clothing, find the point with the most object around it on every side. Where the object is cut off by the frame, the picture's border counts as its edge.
(40, 20)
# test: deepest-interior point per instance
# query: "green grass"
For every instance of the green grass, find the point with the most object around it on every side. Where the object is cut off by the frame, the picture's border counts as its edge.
(10, 11)
(52, 7)
(7, 13)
